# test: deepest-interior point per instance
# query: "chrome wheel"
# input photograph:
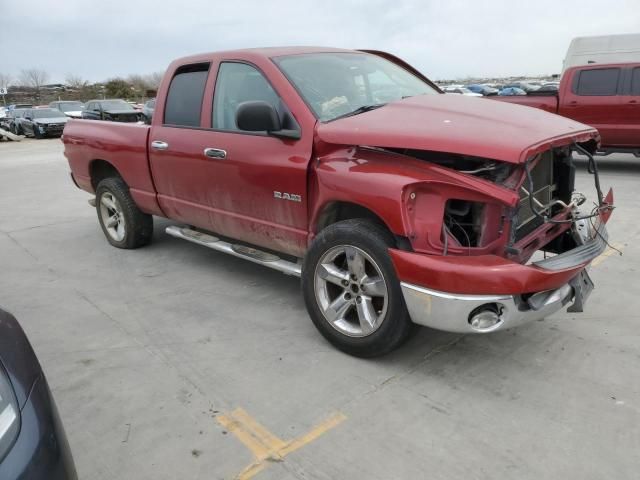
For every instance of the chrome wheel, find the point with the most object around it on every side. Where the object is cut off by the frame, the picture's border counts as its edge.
(112, 216)
(351, 291)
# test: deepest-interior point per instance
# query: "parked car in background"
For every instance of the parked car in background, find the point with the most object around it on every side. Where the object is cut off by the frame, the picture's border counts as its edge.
(33, 444)
(15, 119)
(16, 106)
(391, 209)
(3, 112)
(527, 87)
(460, 90)
(70, 108)
(43, 122)
(148, 109)
(114, 110)
(606, 97)
(550, 87)
(508, 91)
(484, 90)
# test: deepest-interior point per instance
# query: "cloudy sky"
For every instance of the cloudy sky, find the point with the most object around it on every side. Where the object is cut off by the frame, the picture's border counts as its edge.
(100, 39)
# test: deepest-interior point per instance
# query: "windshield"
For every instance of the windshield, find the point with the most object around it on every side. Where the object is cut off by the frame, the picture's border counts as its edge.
(116, 105)
(70, 106)
(336, 84)
(46, 113)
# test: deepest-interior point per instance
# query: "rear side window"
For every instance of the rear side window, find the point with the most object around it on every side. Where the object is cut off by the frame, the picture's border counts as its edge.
(184, 100)
(603, 81)
(635, 81)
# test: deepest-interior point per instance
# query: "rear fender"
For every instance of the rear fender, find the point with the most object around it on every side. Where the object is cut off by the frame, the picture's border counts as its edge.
(121, 145)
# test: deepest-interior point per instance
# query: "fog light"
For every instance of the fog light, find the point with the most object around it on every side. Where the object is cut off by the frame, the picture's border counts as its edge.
(485, 317)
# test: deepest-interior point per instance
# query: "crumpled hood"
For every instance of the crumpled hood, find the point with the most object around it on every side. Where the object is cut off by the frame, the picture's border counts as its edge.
(460, 125)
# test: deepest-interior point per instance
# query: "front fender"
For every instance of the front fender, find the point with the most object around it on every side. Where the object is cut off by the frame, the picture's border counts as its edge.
(406, 193)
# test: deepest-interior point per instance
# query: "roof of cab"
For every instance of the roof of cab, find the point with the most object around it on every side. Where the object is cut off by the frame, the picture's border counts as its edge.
(265, 52)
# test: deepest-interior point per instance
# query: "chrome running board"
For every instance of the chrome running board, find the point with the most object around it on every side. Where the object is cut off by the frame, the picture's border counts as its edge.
(241, 251)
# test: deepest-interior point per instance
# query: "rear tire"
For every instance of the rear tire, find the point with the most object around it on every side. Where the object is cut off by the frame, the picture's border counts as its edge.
(122, 222)
(344, 258)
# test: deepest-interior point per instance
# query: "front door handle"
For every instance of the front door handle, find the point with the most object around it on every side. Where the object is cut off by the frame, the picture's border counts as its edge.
(159, 145)
(215, 153)
(633, 102)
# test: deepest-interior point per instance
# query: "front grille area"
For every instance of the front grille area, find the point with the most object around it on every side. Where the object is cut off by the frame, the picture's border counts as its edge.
(54, 128)
(544, 191)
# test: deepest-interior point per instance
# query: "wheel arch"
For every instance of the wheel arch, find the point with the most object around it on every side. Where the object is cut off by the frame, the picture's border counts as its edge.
(335, 211)
(100, 169)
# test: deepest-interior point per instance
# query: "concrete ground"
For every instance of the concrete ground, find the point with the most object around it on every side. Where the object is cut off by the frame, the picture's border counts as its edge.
(177, 362)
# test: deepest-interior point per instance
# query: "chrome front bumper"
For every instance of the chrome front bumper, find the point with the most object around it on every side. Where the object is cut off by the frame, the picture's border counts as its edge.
(452, 312)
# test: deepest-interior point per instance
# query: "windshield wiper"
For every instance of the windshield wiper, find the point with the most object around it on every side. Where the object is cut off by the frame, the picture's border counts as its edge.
(359, 110)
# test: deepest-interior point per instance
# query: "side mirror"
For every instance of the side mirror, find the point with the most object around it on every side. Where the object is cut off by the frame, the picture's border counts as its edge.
(28, 118)
(257, 116)
(260, 116)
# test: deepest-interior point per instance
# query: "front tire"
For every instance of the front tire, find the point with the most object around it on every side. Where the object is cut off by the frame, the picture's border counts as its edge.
(351, 290)
(122, 222)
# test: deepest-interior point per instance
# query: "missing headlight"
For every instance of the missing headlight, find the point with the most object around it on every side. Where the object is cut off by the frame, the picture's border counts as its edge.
(462, 222)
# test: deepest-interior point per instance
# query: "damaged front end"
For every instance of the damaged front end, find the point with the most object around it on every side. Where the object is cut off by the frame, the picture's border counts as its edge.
(496, 260)
(514, 211)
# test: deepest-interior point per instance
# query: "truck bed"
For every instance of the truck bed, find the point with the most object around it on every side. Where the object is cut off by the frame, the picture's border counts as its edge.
(123, 145)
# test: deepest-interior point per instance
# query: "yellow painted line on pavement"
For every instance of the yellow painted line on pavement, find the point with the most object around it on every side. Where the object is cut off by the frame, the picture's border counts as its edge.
(244, 434)
(607, 253)
(331, 422)
(265, 446)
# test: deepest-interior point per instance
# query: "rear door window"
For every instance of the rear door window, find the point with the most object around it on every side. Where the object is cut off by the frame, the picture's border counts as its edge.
(601, 81)
(184, 100)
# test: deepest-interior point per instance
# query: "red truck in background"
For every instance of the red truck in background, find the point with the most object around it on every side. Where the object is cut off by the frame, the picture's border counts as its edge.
(607, 97)
(393, 202)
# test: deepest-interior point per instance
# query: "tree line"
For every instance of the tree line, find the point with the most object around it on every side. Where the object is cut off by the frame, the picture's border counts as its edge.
(32, 85)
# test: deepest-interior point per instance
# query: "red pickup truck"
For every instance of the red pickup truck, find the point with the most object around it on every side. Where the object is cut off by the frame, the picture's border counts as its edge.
(607, 97)
(394, 202)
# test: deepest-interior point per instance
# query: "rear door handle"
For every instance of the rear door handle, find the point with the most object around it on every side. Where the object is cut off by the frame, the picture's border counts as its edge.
(633, 102)
(159, 145)
(215, 153)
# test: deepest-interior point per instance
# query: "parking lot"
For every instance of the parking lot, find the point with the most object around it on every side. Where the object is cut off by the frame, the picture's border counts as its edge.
(174, 361)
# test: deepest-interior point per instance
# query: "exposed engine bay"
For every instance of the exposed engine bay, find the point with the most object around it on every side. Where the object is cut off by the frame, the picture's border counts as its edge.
(546, 211)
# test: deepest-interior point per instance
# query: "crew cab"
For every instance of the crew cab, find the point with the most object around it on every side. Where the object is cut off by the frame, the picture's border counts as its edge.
(605, 96)
(393, 202)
